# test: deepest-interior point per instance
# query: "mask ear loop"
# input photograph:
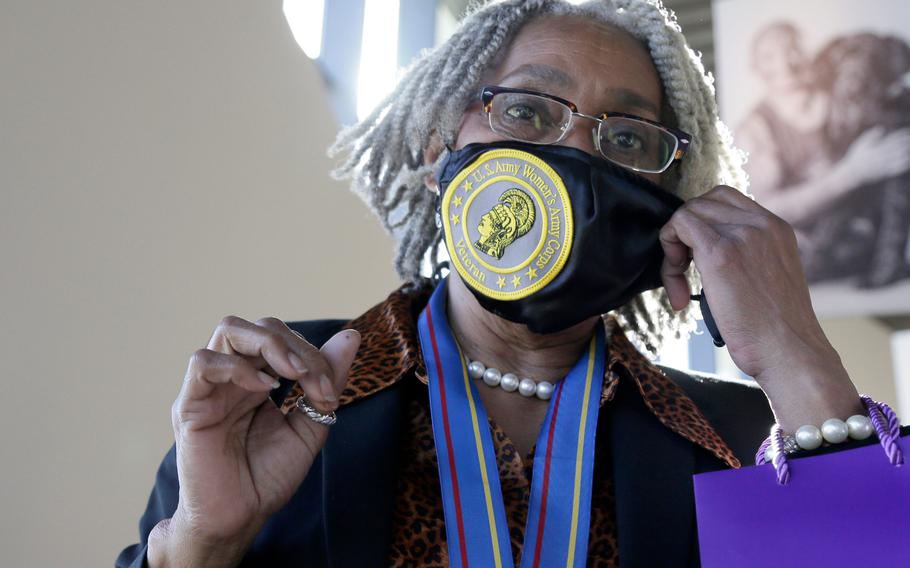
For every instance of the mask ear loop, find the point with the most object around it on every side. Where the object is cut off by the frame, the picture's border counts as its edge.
(709, 319)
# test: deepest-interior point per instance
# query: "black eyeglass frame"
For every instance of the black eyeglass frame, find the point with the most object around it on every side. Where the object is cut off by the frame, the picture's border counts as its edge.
(682, 138)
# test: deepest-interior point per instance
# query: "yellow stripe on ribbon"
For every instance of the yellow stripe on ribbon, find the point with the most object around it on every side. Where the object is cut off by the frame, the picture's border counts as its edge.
(494, 537)
(573, 534)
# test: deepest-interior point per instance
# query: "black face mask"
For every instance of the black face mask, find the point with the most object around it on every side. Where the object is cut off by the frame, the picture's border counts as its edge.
(549, 236)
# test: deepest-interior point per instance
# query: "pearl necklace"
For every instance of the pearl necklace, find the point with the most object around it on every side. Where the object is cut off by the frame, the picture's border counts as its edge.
(510, 382)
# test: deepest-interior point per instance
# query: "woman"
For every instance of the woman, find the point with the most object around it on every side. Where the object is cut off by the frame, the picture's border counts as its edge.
(509, 114)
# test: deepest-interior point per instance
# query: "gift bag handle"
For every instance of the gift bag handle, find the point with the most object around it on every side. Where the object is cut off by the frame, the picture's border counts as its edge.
(884, 421)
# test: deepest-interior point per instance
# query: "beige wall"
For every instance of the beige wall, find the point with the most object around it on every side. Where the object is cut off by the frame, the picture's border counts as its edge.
(162, 164)
(864, 345)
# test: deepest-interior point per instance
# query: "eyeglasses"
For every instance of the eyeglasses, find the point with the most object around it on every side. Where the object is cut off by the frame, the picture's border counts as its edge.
(631, 141)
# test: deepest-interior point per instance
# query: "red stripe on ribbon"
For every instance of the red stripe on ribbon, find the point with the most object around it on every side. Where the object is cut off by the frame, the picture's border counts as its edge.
(546, 481)
(445, 421)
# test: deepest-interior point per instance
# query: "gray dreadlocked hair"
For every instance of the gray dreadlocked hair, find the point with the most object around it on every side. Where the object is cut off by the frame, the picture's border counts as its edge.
(384, 152)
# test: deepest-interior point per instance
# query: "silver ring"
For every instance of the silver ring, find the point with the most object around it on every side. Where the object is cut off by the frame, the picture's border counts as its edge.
(315, 415)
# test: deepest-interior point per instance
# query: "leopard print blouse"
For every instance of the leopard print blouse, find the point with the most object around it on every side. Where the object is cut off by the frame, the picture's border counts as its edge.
(390, 352)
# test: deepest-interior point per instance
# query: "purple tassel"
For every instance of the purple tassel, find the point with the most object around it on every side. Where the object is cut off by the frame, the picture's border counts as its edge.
(760, 455)
(781, 467)
(887, 433)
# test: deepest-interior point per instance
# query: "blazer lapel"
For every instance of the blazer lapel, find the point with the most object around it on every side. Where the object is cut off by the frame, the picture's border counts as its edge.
(652, 472)
(359, 477)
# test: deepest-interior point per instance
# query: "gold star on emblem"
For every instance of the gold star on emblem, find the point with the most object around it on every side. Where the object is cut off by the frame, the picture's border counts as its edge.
(501, 282)
(532, 273)
(457, 201)
(454, 219)
(468, 186)
(516, 281)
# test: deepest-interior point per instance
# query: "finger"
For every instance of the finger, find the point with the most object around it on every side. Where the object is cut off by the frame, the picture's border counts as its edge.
(677, 257)
(318, 378)
(726, 218)
(208, 369)
(720, 213)
(675, 282)
(685, 231)
(340, 351)
(734, 226)
(730, 196)
(303, 354)
(687, 228)
(235, 335)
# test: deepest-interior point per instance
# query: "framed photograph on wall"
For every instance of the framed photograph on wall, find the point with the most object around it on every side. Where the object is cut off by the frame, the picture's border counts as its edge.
(818, 93)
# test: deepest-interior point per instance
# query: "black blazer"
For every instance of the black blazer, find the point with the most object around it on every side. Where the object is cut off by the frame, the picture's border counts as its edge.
(341, 514)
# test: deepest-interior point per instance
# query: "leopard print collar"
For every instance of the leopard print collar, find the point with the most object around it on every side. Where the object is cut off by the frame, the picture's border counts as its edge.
(390, 351)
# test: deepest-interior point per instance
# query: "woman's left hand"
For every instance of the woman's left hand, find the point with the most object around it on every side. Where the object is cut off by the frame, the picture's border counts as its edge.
(755, 284)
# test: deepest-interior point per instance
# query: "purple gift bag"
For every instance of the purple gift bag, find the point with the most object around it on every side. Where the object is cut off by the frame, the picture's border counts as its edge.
(846, 508)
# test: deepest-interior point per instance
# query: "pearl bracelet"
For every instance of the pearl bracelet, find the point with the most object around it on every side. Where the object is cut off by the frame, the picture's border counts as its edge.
(833, 431)
(881, 419)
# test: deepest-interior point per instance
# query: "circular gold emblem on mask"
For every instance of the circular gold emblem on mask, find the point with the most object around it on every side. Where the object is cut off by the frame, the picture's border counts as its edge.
(508, 224)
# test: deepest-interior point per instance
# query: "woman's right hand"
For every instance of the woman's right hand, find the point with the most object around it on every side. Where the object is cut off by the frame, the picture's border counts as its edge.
(239, 459)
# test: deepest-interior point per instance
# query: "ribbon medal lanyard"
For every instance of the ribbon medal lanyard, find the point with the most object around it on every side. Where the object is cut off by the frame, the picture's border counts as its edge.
(556, 533)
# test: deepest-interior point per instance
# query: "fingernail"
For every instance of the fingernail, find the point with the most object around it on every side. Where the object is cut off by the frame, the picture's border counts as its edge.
(328, 391)
(297, 363)
(269, 380)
